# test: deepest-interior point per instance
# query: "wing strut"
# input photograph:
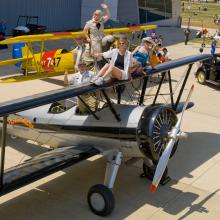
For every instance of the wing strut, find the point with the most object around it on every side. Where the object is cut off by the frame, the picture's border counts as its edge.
(171, 89)
(158, 90)
(174, 106)
(88, 108)
(3, 143)
(143, 90)
(183, 86)
(111, 106)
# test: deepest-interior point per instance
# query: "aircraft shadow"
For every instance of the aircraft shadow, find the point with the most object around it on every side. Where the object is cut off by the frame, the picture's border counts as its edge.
(54, 81)
(66, 195)
(24, 147)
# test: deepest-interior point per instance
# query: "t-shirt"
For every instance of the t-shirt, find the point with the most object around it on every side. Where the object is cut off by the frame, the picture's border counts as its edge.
(154, 59)
(80, 78)
(120, 61)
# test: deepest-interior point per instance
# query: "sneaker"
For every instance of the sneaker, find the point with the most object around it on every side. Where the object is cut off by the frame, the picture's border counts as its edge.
(94, 78)
(99, 81)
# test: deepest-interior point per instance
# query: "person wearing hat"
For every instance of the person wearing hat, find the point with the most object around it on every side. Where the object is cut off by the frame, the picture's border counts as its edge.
(82, 76)
(142, 54)
(79, 78)
(82, 52)
(94, 30)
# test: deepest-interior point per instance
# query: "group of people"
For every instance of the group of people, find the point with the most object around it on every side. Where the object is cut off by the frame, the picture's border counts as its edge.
(122, 62)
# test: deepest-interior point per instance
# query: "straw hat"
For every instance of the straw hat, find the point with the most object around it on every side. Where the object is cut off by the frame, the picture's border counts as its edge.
(148, 39)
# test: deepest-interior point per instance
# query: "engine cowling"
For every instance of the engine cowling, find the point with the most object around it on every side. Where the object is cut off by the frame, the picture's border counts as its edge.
(153, 128)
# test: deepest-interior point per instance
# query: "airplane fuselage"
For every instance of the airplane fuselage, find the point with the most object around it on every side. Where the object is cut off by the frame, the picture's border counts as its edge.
(69, 129)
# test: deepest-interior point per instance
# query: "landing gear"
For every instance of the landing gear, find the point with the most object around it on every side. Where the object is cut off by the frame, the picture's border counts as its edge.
(149, 170)
(100, 197)
(101, 200)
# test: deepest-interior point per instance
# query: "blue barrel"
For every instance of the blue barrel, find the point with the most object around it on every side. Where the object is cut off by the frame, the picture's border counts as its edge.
(17, 52)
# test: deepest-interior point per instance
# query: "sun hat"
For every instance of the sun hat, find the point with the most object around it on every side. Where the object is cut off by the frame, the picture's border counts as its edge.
(148, 39)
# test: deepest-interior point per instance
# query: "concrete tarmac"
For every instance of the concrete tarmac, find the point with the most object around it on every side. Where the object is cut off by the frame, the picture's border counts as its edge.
(192, 193)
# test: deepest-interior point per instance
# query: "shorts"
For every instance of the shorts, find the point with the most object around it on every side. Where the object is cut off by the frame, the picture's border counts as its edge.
(124, 75)
(96, 46)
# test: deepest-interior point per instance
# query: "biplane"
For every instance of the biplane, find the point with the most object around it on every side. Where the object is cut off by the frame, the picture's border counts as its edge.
(118, 130)
(53, 62)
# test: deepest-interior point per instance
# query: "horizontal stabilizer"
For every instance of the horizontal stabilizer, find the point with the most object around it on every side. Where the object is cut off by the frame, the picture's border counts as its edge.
(43, 165)
(14, 61)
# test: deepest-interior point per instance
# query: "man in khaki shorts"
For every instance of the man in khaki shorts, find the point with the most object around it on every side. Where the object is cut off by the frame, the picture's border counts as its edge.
(94, 30)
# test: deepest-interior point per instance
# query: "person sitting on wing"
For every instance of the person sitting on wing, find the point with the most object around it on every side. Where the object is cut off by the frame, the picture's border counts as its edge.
(121, 61)
(142, 54)
(79, 78)
(94, 31)
(82, 52)
(82, 76)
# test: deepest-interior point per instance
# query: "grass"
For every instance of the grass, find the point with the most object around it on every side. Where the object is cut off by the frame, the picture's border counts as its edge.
(200, 17)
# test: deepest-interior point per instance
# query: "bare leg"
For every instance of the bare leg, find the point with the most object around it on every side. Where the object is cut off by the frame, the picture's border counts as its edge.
(108, 70)
(103, 70)
(114, 71)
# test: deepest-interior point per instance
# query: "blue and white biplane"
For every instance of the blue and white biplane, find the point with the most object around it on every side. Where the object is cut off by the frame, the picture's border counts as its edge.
(115, 129)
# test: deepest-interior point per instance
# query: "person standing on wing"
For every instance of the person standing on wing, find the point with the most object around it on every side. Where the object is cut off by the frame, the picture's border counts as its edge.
(94, 31)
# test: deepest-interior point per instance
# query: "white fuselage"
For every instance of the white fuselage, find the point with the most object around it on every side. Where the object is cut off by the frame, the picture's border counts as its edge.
(69, 129)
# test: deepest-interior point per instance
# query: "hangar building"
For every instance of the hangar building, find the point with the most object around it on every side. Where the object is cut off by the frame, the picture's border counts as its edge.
(62, 15)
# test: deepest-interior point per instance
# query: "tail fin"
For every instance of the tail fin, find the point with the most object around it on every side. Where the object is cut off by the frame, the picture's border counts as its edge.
(20, 50)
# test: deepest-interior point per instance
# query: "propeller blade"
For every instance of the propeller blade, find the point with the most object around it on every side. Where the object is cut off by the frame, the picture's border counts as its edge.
(161, 166)
(174, 135)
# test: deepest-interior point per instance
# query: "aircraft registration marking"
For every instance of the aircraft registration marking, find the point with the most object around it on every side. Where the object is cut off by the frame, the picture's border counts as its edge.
(47, 60)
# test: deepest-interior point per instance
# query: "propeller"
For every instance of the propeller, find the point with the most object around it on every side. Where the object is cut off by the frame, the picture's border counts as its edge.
(174, 134)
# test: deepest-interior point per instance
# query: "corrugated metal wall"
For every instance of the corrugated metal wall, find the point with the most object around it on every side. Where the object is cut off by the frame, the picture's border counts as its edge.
(128, 11)
(57, 15)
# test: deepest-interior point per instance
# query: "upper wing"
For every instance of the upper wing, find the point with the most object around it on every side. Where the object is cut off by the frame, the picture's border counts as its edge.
(22, 104)
(70, 35)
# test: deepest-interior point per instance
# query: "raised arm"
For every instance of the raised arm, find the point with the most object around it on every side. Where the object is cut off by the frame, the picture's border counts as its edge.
(107, 12)
(66, 81)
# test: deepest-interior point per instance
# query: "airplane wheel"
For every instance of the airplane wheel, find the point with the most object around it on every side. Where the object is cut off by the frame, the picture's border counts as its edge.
(201, 77)
(101, 200)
